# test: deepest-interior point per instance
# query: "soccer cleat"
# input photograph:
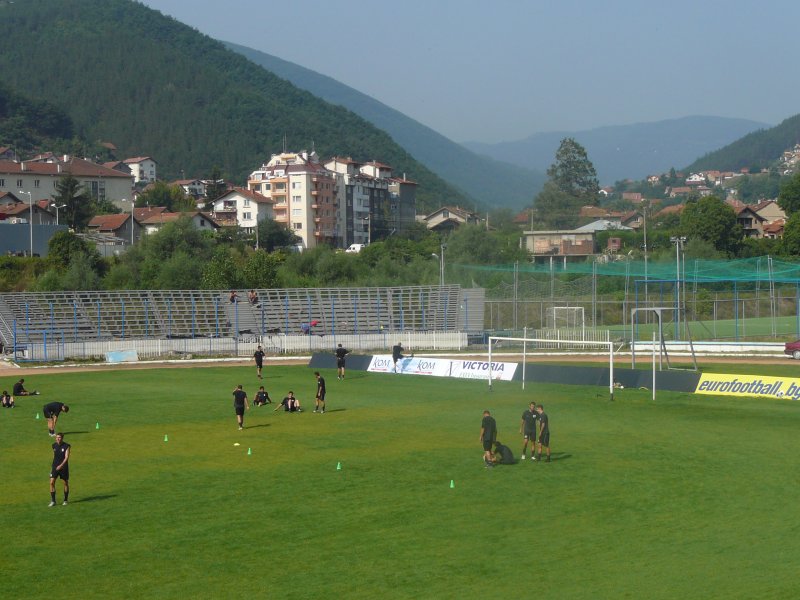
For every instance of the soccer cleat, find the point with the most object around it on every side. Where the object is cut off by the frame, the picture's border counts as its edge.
(322, 411)
(64, 503)
(51, 504)
(315, 410)
(533, 458)
(522, 457)
(240, 427)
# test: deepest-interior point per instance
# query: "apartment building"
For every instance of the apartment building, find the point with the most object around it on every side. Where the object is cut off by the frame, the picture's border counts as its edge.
(39, 178)
(303, 194)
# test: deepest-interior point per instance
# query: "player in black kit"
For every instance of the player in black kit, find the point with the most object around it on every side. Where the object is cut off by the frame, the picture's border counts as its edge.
(340, 355)
(259, 358)
(60, 468)
(527, 428)
(319, 400)
(240, 404)
(544, 432)
(51, 412)
(262, 397)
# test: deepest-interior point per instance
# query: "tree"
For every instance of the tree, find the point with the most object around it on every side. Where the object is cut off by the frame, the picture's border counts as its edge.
(791, 235)
(65, 246)
(710, 219)
(163, 194)
(274, 236)
(573, 173)
(789, 196)
(79, 206)
(556, 209)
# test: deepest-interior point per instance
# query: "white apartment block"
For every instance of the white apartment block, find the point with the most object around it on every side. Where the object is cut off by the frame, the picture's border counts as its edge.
(303, 193)
(242, 208)
(39, 178)
(143, 169)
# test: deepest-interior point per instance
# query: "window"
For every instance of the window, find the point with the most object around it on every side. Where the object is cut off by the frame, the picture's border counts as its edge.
(297, 226)
(2, 183)
(267, 187)
(297, 198)
(19, 183)
(296, 185)
(446, 214)
(247, 216)
(36, 183)
(246, 202)
(297, 212)
(202, 222)
(280, 186)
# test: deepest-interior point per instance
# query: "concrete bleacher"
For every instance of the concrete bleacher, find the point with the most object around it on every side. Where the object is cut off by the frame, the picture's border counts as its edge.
(166, 314)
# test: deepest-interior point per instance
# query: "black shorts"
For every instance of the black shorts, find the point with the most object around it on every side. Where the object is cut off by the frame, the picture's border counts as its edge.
(239, 410)
(530, 434)
(321, 397)
(259, 365)
(544, 438)
(63, 473)
(340, 363)
(47, 414)
(487, 445)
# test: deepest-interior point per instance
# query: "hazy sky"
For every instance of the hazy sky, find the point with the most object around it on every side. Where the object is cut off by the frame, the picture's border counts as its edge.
(504, 69)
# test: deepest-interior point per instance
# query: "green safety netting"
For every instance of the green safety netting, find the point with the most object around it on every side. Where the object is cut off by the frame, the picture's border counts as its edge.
(763, 268)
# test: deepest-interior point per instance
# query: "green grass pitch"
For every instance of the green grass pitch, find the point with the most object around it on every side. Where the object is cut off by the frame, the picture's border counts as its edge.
(687, 497)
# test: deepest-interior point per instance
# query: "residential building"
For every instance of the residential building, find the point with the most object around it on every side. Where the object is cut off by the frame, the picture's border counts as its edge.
(448, 218)
(39, 177)
(121, 225)
(770, 210)
(361, 194)
(751, 222)
(243, 208)
(156, 221)
(195, 188)
(561, 244)
(774, 230)
(143, 169)
(303, 196)
(7, 153)
(635, 197)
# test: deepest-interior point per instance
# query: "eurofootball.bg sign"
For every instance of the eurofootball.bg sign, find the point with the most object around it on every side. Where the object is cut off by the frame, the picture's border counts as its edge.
(718, 384)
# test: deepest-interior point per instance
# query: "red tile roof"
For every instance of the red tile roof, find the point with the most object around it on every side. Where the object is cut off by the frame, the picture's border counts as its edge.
(141, 214)
(109, 223)
(254, 196)
(138, 159)
(77, 166)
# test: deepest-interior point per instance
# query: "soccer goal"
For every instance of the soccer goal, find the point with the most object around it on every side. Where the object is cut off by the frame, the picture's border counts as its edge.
(566, 317)
(530, 345)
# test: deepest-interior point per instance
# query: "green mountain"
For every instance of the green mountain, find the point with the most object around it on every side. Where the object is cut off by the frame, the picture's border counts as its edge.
(757, 150)
(151, 85)
(30, 126)
(482, 177)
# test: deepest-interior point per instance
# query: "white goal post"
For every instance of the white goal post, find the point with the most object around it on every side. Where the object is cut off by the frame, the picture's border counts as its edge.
(608, 344)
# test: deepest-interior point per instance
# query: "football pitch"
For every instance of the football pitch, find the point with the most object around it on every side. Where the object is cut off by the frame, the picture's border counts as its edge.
(686, 497)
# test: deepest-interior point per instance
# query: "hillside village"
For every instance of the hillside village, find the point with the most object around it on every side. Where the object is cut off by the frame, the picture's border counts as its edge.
(338, 202)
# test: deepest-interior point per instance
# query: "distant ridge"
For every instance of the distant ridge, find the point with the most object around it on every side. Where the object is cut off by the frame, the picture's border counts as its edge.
(492, 182)
(629, 151)
(757, 150)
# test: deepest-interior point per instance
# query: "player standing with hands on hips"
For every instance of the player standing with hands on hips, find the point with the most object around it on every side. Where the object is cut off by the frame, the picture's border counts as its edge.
(60, 468)
(488, 436)
(527, 428)
(240, 404)
(544, 432)
(340, 353)
(319, 400)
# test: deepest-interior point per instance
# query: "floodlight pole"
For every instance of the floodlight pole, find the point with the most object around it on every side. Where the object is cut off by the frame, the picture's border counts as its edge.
(654, 366)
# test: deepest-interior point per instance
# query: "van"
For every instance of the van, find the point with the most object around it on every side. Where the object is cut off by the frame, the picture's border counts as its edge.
(356, 248)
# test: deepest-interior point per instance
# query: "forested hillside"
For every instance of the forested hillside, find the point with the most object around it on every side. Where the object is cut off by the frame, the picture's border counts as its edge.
(28, 125)
(755, 151)
(493, 182)
(151, 85)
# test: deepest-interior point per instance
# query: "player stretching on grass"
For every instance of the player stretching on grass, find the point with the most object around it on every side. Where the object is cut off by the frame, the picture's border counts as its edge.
(60, 468)
(319, 399)
(240, 404)
(488, 436)
(527, 427)
(51, 412)
(544, 432)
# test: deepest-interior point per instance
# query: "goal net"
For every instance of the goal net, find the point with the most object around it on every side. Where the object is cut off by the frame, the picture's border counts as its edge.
(532, 346)
(565, 317)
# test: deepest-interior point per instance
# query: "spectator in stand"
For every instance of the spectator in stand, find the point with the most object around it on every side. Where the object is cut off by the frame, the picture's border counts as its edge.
(234, 297)
(252, 297)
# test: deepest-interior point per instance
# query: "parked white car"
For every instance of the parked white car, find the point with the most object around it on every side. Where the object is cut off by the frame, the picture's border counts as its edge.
(356, 248)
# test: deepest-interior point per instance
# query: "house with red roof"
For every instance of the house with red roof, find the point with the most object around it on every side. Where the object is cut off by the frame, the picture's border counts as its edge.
(143, 169)
(243, 208)
(122, 226)
(201, 220)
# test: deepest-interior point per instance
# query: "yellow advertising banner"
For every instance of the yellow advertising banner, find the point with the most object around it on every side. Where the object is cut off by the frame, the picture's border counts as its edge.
(719, 384)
